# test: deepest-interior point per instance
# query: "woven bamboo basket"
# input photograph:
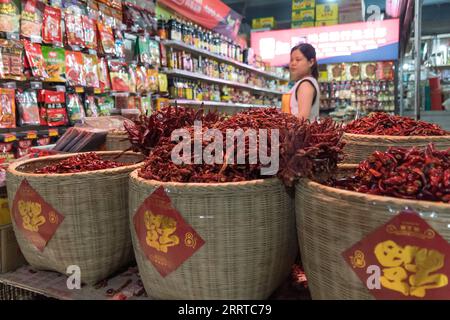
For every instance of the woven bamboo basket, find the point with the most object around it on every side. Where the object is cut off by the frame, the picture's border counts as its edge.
(249, 233)
(330, 220)
(358, 147)
(116, 142)
(94, 233)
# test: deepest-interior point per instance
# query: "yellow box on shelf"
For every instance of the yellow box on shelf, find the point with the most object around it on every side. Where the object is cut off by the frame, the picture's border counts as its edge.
(323, 76)
(302, 24)
(326, 23)
(303, 15)
(5, 216)
(329, 11)
(303, 4)
(260, 23)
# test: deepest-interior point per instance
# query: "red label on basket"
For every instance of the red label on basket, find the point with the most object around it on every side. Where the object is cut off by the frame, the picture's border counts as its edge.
(37, 219)
(165, 237)
(403, 259)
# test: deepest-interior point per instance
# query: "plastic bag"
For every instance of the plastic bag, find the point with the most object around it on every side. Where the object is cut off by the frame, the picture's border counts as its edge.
(35, 58)
(90, 63)
(90, 33)
(27, 106)
(55, 62)
(75, 68)
(7, 108)
(51, 32)
(106, 38)
(9, 17)
(75, 108)
(119, 76)
(31, 19)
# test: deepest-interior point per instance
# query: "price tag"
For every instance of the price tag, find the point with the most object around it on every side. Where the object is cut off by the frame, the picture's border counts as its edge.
(9, 137)
(53, 132)
(36, 85)
(97, 90)
(31, 135)
(79, 89)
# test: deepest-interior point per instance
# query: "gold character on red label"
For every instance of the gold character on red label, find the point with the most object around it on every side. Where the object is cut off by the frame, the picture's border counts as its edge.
(160, 231)
(400, 262)
(31, 213)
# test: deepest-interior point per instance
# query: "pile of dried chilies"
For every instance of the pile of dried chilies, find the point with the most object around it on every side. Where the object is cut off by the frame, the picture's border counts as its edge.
(304, 149)
(383, 124)
(417, 173)
(80, 163)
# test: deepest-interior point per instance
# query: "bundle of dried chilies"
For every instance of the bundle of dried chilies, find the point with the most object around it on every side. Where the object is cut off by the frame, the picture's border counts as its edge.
(384, 124)
(417, 173)
(80, 163)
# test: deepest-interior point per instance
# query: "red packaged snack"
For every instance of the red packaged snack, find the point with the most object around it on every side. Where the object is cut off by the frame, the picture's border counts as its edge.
(74, 30)
(132, 78)
(90, 64)
(27, 106)
(35, 59)
(106, 38)
(118, 73)
(11, 60)
(7, 108)
(52, 108)
(51, 32)
(90, 33)
(6, 149)
(74, 68)
(142, 83)
(103, 74)
(31, 19)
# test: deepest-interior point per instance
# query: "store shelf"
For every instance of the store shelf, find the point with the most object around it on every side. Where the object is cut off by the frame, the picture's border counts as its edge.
(442, 66)
(195, 103)
(182, 46)
(192, 75)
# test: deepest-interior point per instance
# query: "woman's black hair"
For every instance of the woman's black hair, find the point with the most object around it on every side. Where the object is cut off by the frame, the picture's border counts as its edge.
(310, 53)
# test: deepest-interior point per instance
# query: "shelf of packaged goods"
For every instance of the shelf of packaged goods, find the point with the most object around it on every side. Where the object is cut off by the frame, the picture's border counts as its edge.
(182, 46)
(192, 75)
(194, 103)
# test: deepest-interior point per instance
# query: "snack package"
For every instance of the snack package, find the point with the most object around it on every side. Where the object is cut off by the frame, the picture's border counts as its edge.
(142, 83)
(119, 45)
(92, 9)
(106, 16)
(9, 16)
(74, 30)
(90, 33)
(75, 68)
(51, 31)
(152, 76)
(353, 71)
(105, 105)
(28, 108)
(24, 145)
(106, 39)
(336, 72)
(143, 45)
(55, 61)
(90, 63)
(103, 74)
(154, 53)
(90, 106)
(11, 60)
(129, 44)
(163, 82)
(52, 108)
(132, 19)
(75, 108)
(35, 59)
(116, 4)
(6, 149)
(7, 108)
(146, 105)
(31, 19)
(368, 71)
(132, 77)
(118, 73)
(385, 70)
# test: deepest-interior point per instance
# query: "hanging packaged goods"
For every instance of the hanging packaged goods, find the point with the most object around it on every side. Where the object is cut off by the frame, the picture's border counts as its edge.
(7, 108)
(52, 32)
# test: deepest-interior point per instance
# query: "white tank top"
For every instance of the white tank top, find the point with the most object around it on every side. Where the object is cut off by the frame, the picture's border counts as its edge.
(316, 102)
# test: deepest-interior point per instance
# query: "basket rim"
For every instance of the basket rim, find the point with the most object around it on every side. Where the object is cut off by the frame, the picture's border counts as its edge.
(341, 193)
(13, 168)
(399, 138)
(257, 182)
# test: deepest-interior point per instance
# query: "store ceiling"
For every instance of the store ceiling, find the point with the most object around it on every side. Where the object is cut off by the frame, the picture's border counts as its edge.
(436, 13)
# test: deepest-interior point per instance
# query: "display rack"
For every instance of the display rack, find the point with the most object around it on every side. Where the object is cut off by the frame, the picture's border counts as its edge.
(194, 103)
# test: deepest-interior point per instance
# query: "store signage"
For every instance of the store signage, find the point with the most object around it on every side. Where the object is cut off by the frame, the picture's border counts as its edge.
(403, 259)
(164, 236)
(34, 217)
(353, 42)
(212, 14)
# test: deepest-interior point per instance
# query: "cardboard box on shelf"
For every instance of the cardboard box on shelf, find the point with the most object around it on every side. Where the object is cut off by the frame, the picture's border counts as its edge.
(329, 11)
(259, 23)
(303, 15)
(11, 257)
(303, 4)
(350, 17)
(326, 23)
(302, 24)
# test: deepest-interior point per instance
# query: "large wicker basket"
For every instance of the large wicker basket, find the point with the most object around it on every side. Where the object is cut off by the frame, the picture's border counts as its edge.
(94, 233)
(330, 221)
(116, 142)
(358, 147)
(249, 233)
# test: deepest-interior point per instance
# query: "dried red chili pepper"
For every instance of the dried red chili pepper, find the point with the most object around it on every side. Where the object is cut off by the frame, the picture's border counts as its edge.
(384, 124)
(80, 163)
(417, 173)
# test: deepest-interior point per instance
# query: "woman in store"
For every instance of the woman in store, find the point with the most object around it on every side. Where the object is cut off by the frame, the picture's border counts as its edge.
(304, 98)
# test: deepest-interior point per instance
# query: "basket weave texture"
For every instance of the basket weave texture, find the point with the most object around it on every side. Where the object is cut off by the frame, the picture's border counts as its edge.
(358, 147)
(330, 220)
(94, 233)
(249, 233)
(116, 142)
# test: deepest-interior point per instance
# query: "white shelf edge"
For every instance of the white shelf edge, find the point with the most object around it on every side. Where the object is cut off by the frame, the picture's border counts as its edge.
(183, 73)
(218, 104)
(174, 43)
